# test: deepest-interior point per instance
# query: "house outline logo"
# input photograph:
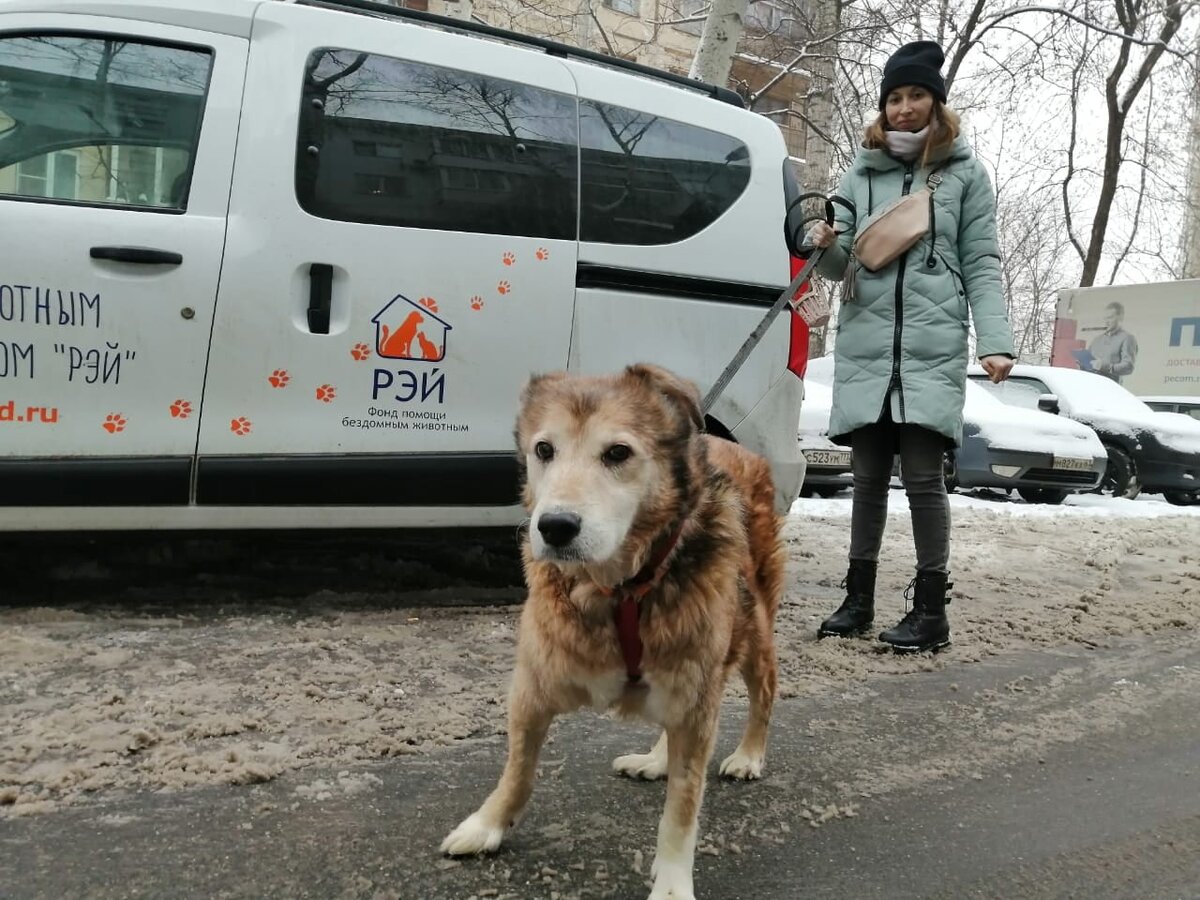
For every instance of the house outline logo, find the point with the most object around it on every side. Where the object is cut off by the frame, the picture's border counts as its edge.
(412, 331)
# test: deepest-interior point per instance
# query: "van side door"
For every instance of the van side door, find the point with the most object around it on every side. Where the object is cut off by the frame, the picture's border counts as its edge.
(401, 256)
(116, 150)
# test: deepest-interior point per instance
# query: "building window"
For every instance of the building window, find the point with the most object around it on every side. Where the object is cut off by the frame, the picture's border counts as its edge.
(628, 7)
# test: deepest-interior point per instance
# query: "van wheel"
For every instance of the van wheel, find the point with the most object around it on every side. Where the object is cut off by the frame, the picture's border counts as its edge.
(828, 490)
(1182, 498)
(1120, 478)
(1052, 496)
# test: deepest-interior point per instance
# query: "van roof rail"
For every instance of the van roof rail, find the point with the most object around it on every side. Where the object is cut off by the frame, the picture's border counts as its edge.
(554, 48)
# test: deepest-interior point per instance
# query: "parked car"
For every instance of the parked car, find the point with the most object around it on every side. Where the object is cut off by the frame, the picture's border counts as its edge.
(1147, 450)
(1041, 456)
(827, 469)
(1189, 406)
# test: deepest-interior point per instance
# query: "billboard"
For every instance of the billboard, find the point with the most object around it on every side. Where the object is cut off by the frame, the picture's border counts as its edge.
(1144, 336)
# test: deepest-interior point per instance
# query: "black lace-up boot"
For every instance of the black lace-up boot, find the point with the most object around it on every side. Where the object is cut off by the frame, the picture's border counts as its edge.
(925, 626)
(857, 611)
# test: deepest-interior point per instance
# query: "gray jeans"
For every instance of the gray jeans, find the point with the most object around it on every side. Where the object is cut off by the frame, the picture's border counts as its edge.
(920, 450)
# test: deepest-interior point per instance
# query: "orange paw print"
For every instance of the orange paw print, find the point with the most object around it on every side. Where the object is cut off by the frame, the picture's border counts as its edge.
(279, 378)
(360, 351)
(542, 254)
(326, 393)
(503, 287)
(509, 259)
(429, 303)
(477, 302)
(114, 422)
(181, 409)
(240, 426)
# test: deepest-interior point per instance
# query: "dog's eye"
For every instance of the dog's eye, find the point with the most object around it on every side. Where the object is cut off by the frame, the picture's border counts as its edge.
(544, 451)
(617, 453)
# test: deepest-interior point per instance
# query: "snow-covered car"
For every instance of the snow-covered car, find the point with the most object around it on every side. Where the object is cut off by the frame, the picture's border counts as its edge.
(827, 469)
(1189, 406)
(1147, 450)
(1042, 456)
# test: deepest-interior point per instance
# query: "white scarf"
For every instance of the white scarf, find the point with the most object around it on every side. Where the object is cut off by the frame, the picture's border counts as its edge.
(906, 144)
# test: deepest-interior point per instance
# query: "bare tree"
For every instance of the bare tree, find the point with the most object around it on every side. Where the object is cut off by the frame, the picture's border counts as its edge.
(723, 28)
(1189, 264)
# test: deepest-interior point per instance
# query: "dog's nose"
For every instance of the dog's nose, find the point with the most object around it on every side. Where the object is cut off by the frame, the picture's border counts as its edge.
(559, 529)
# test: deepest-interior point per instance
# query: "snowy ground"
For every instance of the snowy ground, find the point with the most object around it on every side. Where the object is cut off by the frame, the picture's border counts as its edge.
(1086, 505)
(246, 664)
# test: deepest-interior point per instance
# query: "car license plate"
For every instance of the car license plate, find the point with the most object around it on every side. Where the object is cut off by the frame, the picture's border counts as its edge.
(1073, 463)
(827, 457)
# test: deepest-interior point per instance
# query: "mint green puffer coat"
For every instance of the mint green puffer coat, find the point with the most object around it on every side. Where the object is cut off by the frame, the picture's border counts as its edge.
(902, 339)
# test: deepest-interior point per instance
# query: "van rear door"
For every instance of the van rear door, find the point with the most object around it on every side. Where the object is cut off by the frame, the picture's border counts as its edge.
(116, 150)
(401, 256)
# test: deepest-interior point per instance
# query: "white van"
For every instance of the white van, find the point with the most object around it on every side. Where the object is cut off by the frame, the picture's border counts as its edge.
(288, 264)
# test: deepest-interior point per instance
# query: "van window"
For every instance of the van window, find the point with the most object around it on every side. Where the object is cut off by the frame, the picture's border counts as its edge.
(649, 180)
(99, 120)
(391, 142)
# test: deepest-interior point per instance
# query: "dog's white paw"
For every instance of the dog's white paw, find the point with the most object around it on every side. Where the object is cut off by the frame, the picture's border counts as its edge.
(742, 766)
(474, 835)
(649, 766)
(671, 884)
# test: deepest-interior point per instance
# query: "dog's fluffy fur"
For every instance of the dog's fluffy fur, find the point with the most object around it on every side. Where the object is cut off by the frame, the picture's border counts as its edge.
(712, 610)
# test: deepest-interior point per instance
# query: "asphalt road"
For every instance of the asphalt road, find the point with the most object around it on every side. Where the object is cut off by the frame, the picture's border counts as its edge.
(1052, 775)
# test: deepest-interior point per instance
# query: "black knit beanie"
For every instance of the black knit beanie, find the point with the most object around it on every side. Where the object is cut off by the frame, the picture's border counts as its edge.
(917, 63)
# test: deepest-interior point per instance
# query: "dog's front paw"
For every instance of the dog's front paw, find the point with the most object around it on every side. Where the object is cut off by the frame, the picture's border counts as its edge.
(474, 835)
(742, 766)
(648, 766)
(667, 888)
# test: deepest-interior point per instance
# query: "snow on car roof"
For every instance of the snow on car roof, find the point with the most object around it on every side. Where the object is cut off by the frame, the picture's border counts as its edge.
(1001, 425)
(1106, 405)
(1016, 428)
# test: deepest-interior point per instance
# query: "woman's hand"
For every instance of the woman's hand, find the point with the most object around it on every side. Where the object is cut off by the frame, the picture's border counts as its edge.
(997, 367)
(821, 235)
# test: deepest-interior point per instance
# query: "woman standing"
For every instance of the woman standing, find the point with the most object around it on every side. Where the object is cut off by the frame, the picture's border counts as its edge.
(900, 359)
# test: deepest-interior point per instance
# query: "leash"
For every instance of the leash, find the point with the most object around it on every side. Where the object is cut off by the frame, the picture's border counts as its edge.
(811, 256)
(627, 613)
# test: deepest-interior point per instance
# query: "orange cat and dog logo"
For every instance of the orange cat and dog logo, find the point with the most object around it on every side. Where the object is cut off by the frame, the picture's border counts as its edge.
(408, 330)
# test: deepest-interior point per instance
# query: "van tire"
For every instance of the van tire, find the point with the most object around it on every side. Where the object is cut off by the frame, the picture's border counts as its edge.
(1120, 477)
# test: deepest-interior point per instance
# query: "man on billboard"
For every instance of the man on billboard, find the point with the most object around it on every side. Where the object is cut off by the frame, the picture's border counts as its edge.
(1113, 352)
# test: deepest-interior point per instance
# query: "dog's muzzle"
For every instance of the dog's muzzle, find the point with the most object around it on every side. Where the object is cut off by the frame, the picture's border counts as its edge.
(559, 529)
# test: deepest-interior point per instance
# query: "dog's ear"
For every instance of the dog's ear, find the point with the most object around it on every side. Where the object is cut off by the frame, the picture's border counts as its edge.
(683, 393)
(534, 387)
(536, 383)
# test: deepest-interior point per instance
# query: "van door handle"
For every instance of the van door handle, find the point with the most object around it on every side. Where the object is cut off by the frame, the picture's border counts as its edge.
(320, 297)
(142, 255)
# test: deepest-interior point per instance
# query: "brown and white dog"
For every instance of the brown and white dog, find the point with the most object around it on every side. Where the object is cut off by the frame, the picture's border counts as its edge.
(654, 566)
